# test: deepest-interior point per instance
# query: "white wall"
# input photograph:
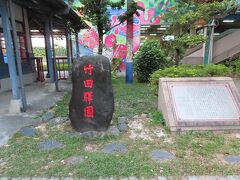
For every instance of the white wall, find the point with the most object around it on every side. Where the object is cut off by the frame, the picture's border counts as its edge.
(27, 79)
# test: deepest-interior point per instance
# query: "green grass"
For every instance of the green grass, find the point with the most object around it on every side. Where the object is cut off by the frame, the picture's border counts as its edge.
(157, 118)
(130, 100)
(196, 153)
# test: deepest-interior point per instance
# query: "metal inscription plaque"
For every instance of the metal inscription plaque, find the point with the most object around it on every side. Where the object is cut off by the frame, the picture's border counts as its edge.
(204, 102)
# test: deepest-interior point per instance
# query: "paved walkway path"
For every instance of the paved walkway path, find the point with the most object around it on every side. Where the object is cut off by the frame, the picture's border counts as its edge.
(38, 99)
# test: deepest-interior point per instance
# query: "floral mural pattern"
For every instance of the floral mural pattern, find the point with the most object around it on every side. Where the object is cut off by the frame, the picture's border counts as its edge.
(115, 40)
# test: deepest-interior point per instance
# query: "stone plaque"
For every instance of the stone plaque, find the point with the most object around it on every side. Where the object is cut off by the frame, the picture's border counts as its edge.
(92, 103)
(199, 103)
(203, 102)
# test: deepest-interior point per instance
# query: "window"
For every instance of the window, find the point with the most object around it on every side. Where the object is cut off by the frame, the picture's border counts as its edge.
(22, 47)
(3, 52)
(21, 40)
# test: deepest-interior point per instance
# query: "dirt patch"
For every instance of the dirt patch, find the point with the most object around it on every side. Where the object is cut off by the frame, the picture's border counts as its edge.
(139, 130)
(42, 128)
(3, 166)
(220, 158)
(91, 148)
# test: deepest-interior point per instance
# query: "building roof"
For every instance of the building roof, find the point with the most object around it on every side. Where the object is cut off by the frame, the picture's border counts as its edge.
(40, 10)
(231, 21)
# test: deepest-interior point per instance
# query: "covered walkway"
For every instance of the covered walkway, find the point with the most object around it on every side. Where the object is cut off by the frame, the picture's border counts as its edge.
(39, 99)
(44, 17)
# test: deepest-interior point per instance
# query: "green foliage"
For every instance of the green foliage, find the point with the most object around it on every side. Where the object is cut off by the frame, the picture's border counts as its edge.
(188, 40)
(176, 49)
(133, 9)
(61, 108)
(235, 66)
(184, 18)
(60, 67)
(157, 118)
(115, 66)
(149, 58)
(40, 51)
(189, 71)
(186, 13)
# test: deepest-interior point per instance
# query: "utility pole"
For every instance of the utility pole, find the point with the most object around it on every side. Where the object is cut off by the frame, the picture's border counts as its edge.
(129, 44)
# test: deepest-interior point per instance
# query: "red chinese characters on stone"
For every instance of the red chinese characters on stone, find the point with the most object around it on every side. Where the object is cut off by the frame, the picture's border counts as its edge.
(88, 69)
(88, 83)
(89, 112)
(88, 96)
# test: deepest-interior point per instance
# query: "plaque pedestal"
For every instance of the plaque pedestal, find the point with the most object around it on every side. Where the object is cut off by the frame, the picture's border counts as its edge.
(199, 103)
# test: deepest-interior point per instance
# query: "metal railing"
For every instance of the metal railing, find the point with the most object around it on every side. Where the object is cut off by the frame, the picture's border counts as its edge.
(39, 68)
(62, 68)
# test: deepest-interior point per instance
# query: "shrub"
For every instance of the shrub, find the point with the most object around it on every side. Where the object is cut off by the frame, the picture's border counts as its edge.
(189, 71)
(235, 66)
(40, 51)
(116, 62)
(149, 58)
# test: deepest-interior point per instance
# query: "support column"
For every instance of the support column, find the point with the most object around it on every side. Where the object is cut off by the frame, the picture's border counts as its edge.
(46, 52)
(18, 58)
(54, 57)
(15, 104)
(49, 49)
(68, 46)
(208, 49)
(211, 41)
(71, 47)
(77, 46)
(69, 55)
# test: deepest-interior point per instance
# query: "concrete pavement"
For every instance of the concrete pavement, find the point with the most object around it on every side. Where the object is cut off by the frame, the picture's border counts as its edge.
(38, 99)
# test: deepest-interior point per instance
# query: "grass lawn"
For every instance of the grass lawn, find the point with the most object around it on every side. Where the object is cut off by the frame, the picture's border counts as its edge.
(195, 153)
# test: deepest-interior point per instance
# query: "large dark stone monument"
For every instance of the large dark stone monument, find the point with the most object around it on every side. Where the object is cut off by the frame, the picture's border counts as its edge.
(92, 103)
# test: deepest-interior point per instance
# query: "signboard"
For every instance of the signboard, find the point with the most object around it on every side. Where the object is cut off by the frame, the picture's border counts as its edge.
(199, 103)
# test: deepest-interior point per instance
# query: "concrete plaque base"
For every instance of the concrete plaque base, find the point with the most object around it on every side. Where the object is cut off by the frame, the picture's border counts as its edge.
(199, 103)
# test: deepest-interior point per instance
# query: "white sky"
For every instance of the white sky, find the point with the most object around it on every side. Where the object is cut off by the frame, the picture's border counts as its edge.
(39, 42)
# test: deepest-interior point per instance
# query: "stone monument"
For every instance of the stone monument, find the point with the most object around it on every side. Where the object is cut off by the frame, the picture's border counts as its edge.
(199, 103)
(92, 103)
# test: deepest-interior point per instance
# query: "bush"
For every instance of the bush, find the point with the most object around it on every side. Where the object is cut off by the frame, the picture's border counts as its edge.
(116, 62)
(149, 58)
(40, 51)
(235, 66)
(189, 71)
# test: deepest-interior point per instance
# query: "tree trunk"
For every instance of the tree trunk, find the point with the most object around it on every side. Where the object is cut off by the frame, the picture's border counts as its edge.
(100, 39)
(129, 44)
(177, 57)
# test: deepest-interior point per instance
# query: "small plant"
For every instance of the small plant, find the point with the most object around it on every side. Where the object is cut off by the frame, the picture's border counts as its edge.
(61, 108)
(115, 66)
(157, 118)
(149, 58)
(189, 71)
(235, 66)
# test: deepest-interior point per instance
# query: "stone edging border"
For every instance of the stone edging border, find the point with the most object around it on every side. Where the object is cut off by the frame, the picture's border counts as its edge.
(132, 178)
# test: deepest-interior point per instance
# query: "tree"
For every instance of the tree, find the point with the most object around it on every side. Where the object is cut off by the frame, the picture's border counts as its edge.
(97, 12)
(184, 18)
